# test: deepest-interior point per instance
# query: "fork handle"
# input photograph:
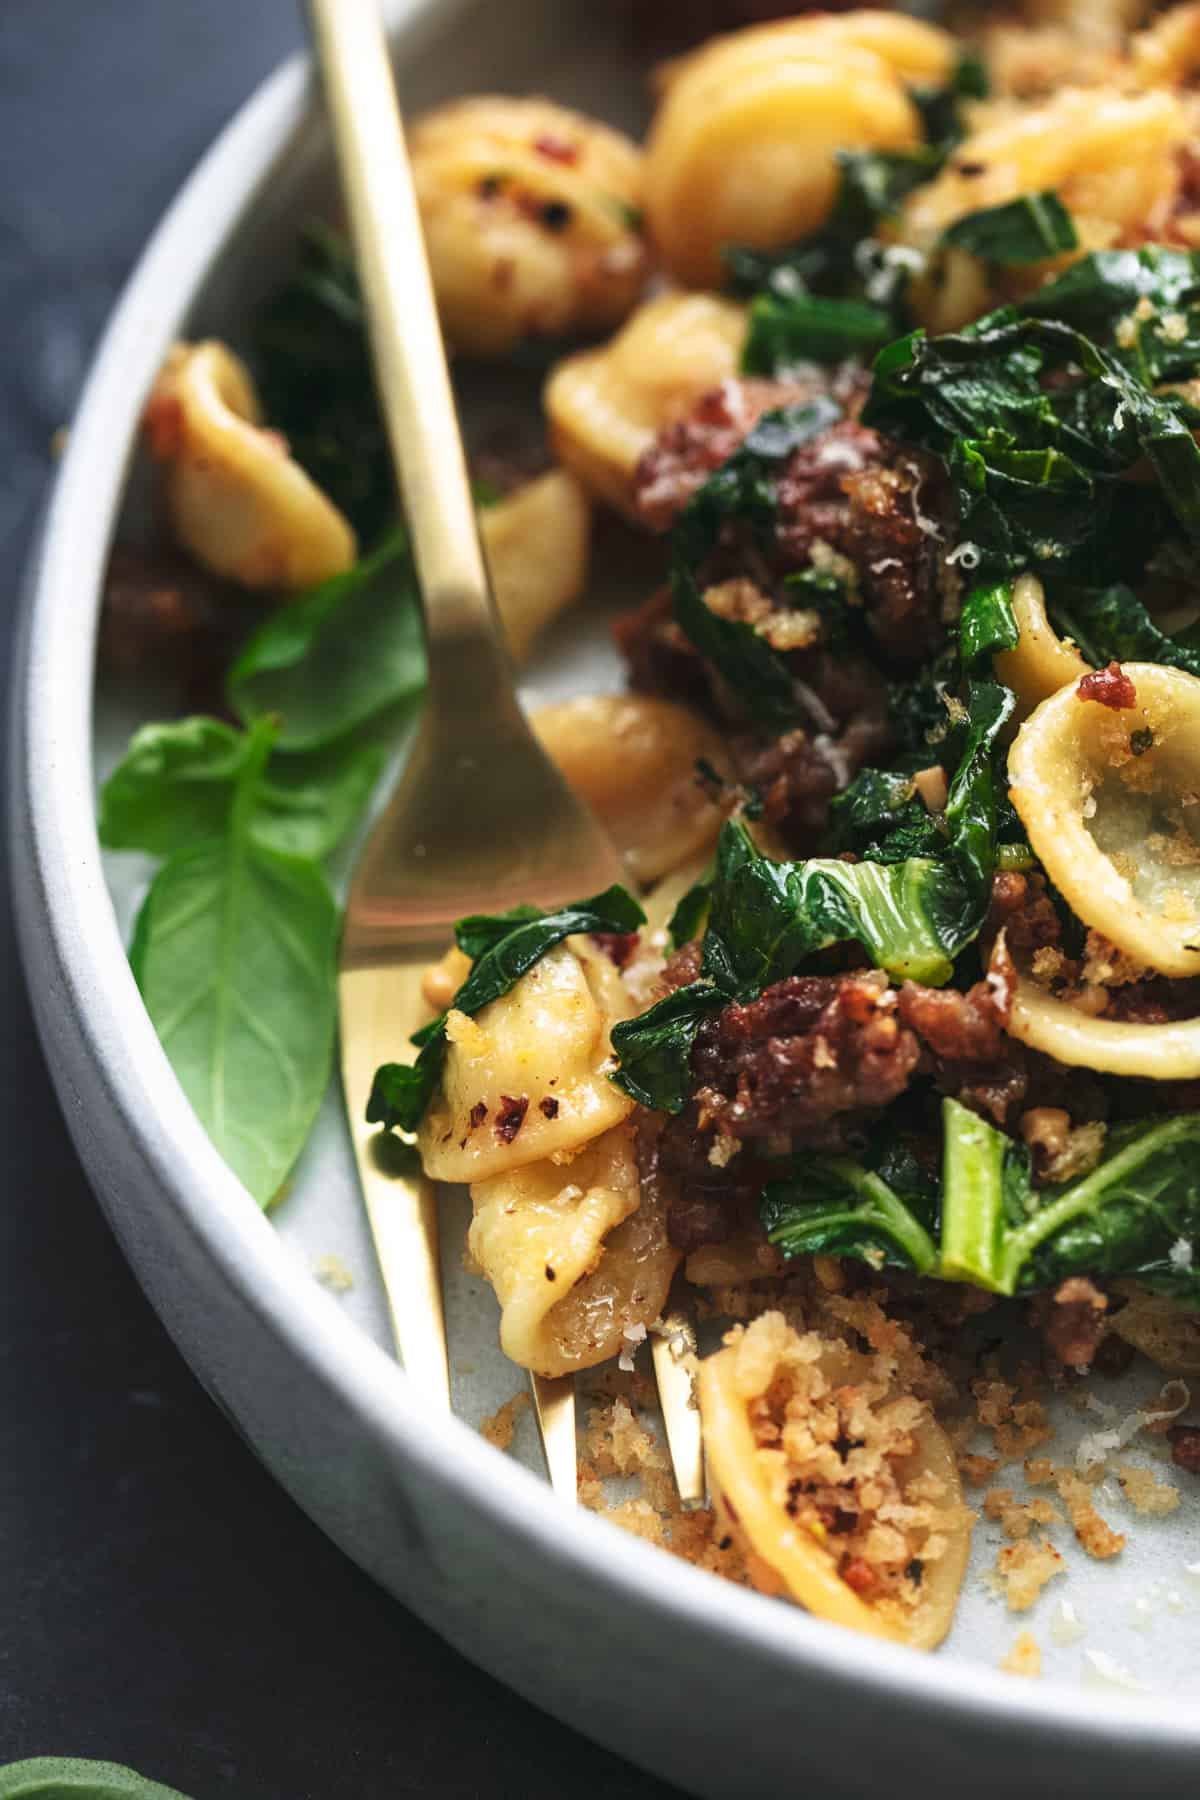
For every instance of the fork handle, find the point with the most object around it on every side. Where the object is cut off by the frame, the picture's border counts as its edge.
(406, 342)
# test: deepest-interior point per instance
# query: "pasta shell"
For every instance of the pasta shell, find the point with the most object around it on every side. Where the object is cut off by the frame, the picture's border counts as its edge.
(577, 1252)
(531, 220)
(605, 406)
(527, 1077)
(771, 1489)
(1041, 662)
(236, 499)
(633, 759)
(1106, 797)
(537, 541)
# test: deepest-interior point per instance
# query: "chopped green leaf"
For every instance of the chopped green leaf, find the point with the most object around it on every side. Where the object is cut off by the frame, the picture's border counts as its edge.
(326, 663)
(986, 624)
(1027, 230)
(836, 1207)
(1111, 622)
(508, 947)
(687, 921)
(789, 330)
(72, 1778)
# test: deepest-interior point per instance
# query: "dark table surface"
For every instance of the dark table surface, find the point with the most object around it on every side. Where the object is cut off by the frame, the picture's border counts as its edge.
(162, 1603)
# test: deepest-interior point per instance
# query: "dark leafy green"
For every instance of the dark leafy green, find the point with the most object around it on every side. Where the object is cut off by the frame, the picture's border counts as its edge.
(941, 108)
(177, 782)
(987, 624)
(743, 488)
(687, 921)
(1141, 305)
(786, 330)
(1136, 1213)
(1112, 622)
(336, 658)
(72, 1778)
(234, 952)
(1027, 230)
(765, 919)
(314, 372)
(506, 947)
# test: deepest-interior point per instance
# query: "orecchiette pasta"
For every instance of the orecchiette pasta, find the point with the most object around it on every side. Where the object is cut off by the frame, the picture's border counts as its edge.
(527, 1077)
(1042, 662)
(237, 501)
(1162, 1329)
(530, 213)
(1111, 156)
(577, 1251)
(775, 1405)
(1106, 796)
(536, 541)
(742, 149)
(634, 759)
(604, 406)
(1074, 1036)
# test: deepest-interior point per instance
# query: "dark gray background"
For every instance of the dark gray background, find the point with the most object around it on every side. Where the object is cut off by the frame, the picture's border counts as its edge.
(161, 1603)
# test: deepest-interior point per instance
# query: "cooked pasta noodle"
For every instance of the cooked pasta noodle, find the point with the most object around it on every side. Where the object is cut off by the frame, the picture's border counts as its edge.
(774, 1403)
(577, 1251)
(604, 406)
(1076, 1037)
(237, 500)
(1110, 816)
(537, 541)
(1042, 662)
(530, 215)
(527, 1078)
(742, 150)
(634, 759)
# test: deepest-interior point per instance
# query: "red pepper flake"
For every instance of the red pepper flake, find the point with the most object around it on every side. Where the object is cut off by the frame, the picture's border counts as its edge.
(511, 1117)
(477, 1114)
(559, 150)
(618, 946)
(1185, 1447)
(1108, 687)
(551, 1272)
(860, 1576)
(549, 1107)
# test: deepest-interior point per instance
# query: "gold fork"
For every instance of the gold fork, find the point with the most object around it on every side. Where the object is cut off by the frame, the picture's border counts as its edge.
(481, 819)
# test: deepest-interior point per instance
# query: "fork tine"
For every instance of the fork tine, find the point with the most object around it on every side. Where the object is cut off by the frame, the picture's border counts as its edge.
(554, 1405)
(401, 1203)
(681, 1417)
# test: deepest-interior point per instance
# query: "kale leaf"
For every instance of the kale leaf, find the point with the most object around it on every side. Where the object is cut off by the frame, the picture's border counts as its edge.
(743, 488)
(505, 947)
(1026, 230)
(1112, 622)
(786, 330)
(1142, 305)
(1136, 1213)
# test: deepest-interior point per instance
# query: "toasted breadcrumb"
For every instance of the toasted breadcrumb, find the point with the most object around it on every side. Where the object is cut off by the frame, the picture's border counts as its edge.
(1094, 1533)
(1017, 1518)
(1025, 1657)
(499, 1426)
(333, 1274)
(976, 1470)
(1145, 1492)
(1023, 1569)
(1016, 1425)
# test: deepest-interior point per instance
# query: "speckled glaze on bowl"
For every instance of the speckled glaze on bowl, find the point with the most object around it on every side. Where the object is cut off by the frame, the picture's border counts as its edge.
(710, 1686)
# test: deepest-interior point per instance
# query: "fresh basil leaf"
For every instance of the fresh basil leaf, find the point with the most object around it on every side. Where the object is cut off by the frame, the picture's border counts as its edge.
(1026, 230)
(317, 386)
(176, 784)
(787, 331)
(1111, 623)
(482, 931)
(400, 1092)
(72, 1778)
(234, 952)
(328, 662)
(836, 1207)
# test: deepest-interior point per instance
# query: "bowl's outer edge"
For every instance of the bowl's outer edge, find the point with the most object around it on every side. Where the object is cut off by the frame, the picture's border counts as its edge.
(709, 1686)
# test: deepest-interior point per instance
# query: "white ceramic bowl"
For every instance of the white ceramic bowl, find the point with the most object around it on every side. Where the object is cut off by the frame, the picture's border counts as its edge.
(713, 1687)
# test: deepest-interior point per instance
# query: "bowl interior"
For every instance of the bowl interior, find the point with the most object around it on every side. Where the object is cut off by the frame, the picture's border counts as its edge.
(1141, 1612)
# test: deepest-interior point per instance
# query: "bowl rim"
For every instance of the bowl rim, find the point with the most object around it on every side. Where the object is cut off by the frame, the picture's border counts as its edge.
(53, 823)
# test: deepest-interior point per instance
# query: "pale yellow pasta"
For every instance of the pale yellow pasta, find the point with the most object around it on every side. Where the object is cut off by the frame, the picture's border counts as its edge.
(530, 214)
(1071, 1035)
(633, 759)
(742, 149)
(604, 406)
(914, 1483)
(1168, 52)
(1111, 156)
(1041, 662)
(577, 1252)
(527, 1077)
(1165, 1330)
(537, 542)
(236, 499)
(1108, 797)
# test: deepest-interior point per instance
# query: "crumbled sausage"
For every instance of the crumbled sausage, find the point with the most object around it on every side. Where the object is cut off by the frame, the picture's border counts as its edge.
(1108, 687)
